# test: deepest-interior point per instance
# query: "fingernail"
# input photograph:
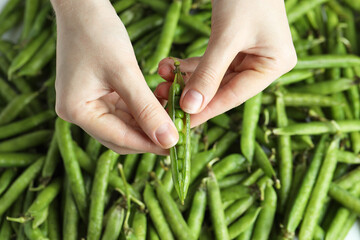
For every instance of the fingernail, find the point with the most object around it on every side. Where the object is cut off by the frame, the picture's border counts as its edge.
(166, 135)
(192, 101)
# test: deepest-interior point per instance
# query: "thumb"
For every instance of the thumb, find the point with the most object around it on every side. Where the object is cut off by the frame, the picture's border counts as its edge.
(145, 108)
(206, 79)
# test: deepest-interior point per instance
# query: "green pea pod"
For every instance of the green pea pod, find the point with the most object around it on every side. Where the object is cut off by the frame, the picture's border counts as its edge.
(180, 154)
(297, 209)
(120, 6)
(43, 56)
(114, 223)
(239, 207)
(19, 185)
(244, 222)
(71, 165)
(284, 151)
(139, 225)
(44, 198)
(6, 178)
(173, 214)
(232, 180)
(146, 165)
(25, 141)
(40, 217)
(40, 20)
(345, 198)
(216, 210)
(28, 52)
(8, 8)
(264, 163)
(31, 10)
(130, 163)
(327, 61)
(326, 87)
(301, 9)
(14, 108)
(136, 30)
(251, 117)
(197, 211)
(166, 37)
(93, 147)
(71, 215)
(317, 128)
(266, 217)
(133, 14)
(156, 214)
(231, 164)
(51, 161)
(199, 43)
(21, 126)
(302, 100)
(53, 221)
(97, 203)
(8, 160)
(7, 49)
(5, 230)
(188, 20)
(319, 192)
(4, 64)
(13, 19)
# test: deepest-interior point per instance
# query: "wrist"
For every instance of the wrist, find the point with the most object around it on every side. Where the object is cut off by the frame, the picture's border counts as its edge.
(70, 9)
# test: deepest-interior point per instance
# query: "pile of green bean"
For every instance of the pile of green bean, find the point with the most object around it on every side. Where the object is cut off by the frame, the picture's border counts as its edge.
(280, 166)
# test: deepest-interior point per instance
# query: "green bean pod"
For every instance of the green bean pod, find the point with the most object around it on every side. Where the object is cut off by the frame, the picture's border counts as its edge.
(139, 225)
(6, 178)
(180, 154)
(31, 10)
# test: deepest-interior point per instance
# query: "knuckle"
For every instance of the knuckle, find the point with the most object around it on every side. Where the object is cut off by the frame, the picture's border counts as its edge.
(288, 58)
(147, 113)
(205, 76)
(67, 111)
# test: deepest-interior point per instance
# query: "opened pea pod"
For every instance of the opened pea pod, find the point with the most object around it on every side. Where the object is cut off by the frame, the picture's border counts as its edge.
(180, 154)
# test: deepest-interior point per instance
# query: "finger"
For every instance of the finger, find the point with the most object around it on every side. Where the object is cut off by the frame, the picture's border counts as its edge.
(205, 81)
(123, 150)
(162, 90)
(106, 126)
(144, 106)
(239, 89)
(166, 67)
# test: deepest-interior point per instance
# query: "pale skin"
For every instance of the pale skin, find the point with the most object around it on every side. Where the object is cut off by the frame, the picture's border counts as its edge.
(101, 88)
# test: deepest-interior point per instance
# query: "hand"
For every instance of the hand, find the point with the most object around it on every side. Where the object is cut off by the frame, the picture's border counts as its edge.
(99, 84)
(249, 47)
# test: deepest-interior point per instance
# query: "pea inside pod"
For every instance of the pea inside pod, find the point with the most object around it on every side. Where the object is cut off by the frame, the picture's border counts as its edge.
(180, 153)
